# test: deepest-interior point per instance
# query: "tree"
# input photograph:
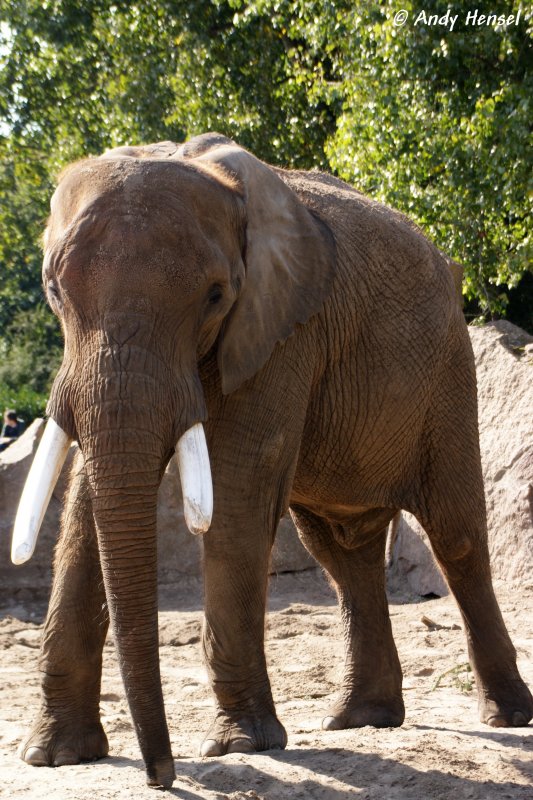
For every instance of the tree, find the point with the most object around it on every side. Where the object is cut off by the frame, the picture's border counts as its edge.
(434, 122)
(437, 124)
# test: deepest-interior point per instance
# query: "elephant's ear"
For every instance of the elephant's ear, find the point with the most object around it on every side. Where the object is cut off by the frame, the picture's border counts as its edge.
(289, 261)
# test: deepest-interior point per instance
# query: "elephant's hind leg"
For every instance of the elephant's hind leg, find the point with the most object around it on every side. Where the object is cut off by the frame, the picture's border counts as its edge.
(453, 514)
(461, 550)
(371, 692)
(68, 729)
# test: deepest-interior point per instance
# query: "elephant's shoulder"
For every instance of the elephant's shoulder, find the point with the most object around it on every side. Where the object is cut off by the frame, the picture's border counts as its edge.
(378, 238)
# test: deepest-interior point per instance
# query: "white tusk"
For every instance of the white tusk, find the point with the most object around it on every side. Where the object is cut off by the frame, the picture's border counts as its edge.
(40, 483)
(195, 474)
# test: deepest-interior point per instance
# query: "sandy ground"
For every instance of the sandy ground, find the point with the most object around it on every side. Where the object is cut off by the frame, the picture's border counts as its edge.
(442, 751)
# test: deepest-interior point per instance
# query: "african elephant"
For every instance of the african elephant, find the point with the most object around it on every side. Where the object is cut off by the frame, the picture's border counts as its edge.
(315, 336)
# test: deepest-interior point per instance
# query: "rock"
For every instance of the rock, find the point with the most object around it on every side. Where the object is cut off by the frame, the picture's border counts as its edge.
(504, 360)
(504, 367)
(411, 559)
(289, 554)
(180, 553)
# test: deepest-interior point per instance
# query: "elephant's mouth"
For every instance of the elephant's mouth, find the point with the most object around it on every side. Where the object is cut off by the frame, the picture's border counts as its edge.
(194, 469)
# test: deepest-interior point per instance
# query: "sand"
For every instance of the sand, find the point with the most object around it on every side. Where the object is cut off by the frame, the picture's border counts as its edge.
(442, 750)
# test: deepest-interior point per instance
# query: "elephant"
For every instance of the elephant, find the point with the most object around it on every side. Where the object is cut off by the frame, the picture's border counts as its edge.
(300, 347)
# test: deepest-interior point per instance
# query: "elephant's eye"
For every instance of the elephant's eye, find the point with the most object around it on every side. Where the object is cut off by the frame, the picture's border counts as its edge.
(215, 294)
(53, 293)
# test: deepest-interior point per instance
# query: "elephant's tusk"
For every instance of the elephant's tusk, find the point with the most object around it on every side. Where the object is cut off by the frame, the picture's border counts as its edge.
(40, 483)
(196, 483)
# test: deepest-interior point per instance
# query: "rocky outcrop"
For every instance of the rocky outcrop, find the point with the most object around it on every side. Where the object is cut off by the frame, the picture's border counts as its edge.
(182, 551)
(410, 563)
(504, 367)
(504, 358)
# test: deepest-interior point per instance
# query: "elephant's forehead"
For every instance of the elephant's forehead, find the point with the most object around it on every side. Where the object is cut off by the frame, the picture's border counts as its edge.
(143, 190)
(116, 222)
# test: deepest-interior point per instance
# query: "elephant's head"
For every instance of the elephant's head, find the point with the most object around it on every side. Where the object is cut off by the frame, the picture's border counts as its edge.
(153, 257)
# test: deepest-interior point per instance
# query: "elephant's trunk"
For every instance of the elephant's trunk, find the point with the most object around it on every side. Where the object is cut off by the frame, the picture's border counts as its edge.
(124, 484)
(128, 414)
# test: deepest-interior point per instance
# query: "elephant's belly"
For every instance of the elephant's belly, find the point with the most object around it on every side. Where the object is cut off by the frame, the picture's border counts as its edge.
(357, 524)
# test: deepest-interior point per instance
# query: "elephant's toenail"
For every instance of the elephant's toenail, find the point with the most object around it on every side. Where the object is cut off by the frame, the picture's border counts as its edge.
(241, 746)
(36, 757)
(65, 758)
(330, 724)
(211, 748)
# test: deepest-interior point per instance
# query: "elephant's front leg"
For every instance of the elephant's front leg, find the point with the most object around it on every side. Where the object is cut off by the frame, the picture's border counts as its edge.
(68, 729)
(236, 570)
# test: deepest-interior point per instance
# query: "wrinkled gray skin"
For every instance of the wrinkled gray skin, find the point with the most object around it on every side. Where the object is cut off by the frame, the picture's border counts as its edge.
(318, 336)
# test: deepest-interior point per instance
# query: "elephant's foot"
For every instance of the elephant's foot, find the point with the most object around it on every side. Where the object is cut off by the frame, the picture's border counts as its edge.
(53, 743)
(356, 712)
(507, 704)
(248, 732)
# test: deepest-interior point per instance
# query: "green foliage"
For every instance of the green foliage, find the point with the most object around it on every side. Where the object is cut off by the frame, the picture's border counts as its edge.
(432, 121)
(459, 677)
(24, 190)
(27, 403)
(30, 355)
(438, 125)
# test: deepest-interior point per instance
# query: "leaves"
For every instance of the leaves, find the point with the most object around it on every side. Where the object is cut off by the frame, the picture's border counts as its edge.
(437, 124)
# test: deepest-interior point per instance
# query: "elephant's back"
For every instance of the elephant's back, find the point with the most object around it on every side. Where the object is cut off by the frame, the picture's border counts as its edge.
(386, 268)
(371, 236)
